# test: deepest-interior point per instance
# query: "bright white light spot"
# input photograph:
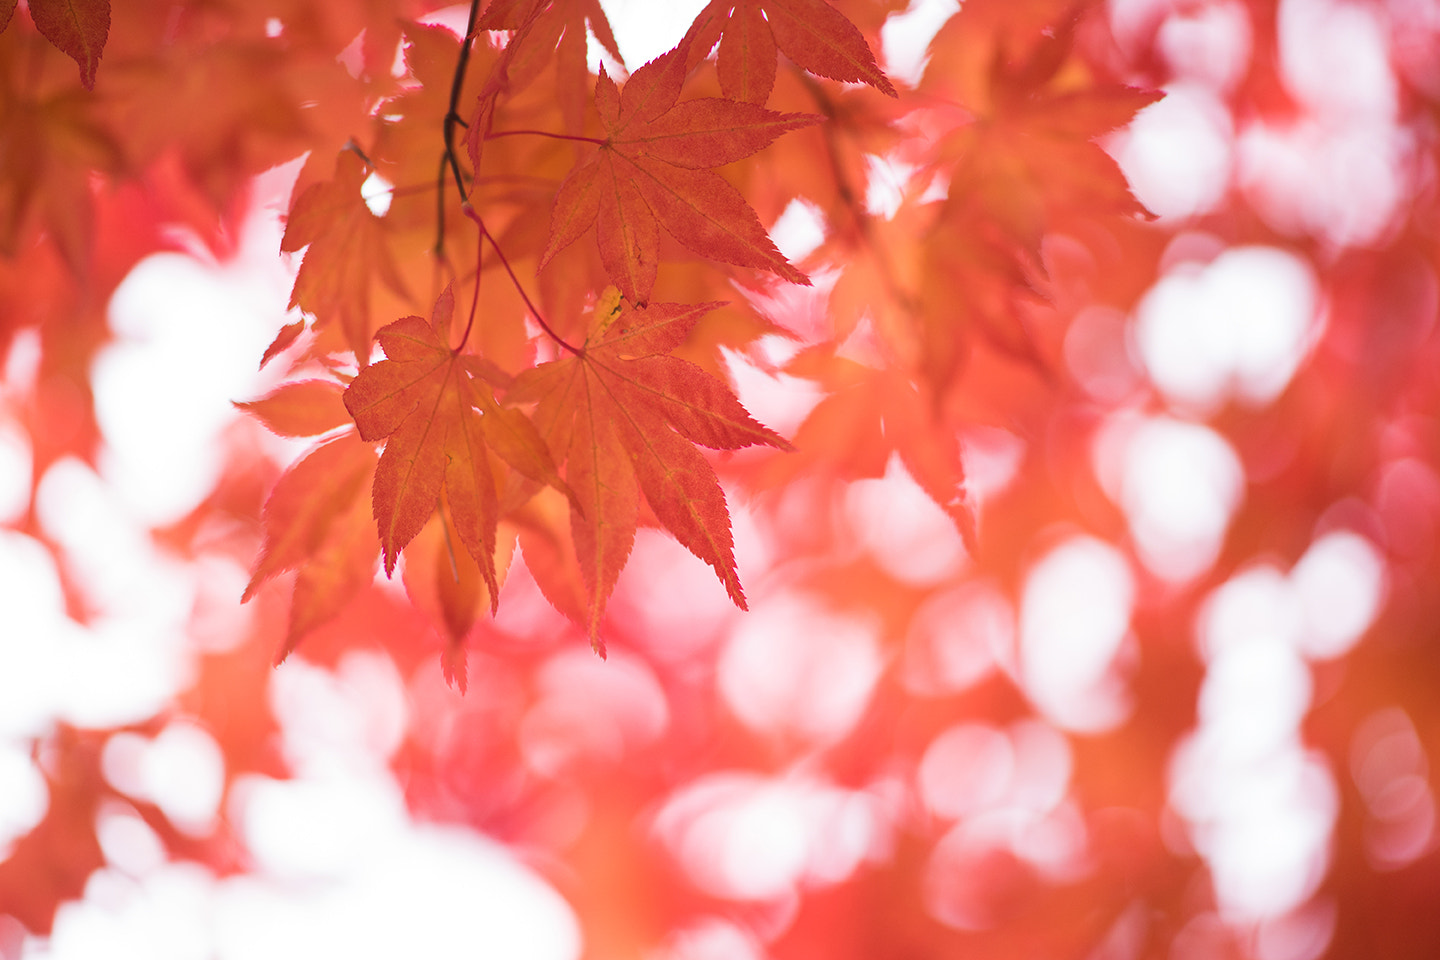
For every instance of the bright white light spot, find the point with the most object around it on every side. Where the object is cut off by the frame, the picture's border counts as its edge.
(1074, 615)
(972, 768)
(967, 768)
(905, 38)
(127, 841)
(312, 828)
(1335, 57)
(349, 720)
(377, 193)
(1237, 327)
(1055, 844)
(182, 771)
(799, 230)
(164, 915)
(680, 609)
(1346, 184)
(588, 707)
(1208, 43)
(1253, 698)
(711, 939)
(885, 181)
(1341, 582)
(132, 657)
(1180, 483)
(778, 400)
(992, 459)
(192, 330)
(1177, 153)
(22, 364)
(1340, 172)
(1263, 825)
(792, 667)
(432, 892)
(273, 27)
(34, 624)
(644, 30)
(1256, 604)
(957, 637)
(904, 528)
(24, 799)
(1261, 809)
(745, 837)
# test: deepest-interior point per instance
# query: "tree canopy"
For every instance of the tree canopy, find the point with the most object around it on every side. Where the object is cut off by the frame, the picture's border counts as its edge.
(857, 479)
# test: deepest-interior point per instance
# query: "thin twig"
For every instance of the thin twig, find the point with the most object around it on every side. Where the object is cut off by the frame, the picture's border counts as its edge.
(470, 212)
(452, 114)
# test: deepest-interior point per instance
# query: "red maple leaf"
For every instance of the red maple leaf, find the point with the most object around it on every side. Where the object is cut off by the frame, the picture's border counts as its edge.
(424, 400)
(653, 168)
(348, 251)
(810, 32)
(77, 28)
(316, 522)
(623, 416)
(554, 32)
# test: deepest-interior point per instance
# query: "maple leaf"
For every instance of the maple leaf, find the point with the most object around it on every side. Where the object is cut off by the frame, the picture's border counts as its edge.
(447, 585)
(1031, 155)
(77, 28)
(554, 32)
(425, 402)
(868, 415)
(623, 415)
(415, 115)
(303, 408)
(49, 149)
(653, 169)
(348, 251)
(287, 336)
(810, 32)
(316, 520)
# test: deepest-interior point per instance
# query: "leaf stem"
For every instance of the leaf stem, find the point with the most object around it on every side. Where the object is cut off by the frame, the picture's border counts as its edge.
(474, 300)
(544, 133)
(470, 212)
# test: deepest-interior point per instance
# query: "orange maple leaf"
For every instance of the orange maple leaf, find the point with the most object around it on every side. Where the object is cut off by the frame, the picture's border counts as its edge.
(348, 251)
(316, 521)
(288, 335)
(302, 408)
(654, 168)
(623, 416)
(425, 399)
(554, 32)
(813, 34)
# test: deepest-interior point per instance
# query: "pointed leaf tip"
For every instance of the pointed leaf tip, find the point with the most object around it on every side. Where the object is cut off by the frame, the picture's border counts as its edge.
(77, 28)
(454, 667)
(282, 341)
